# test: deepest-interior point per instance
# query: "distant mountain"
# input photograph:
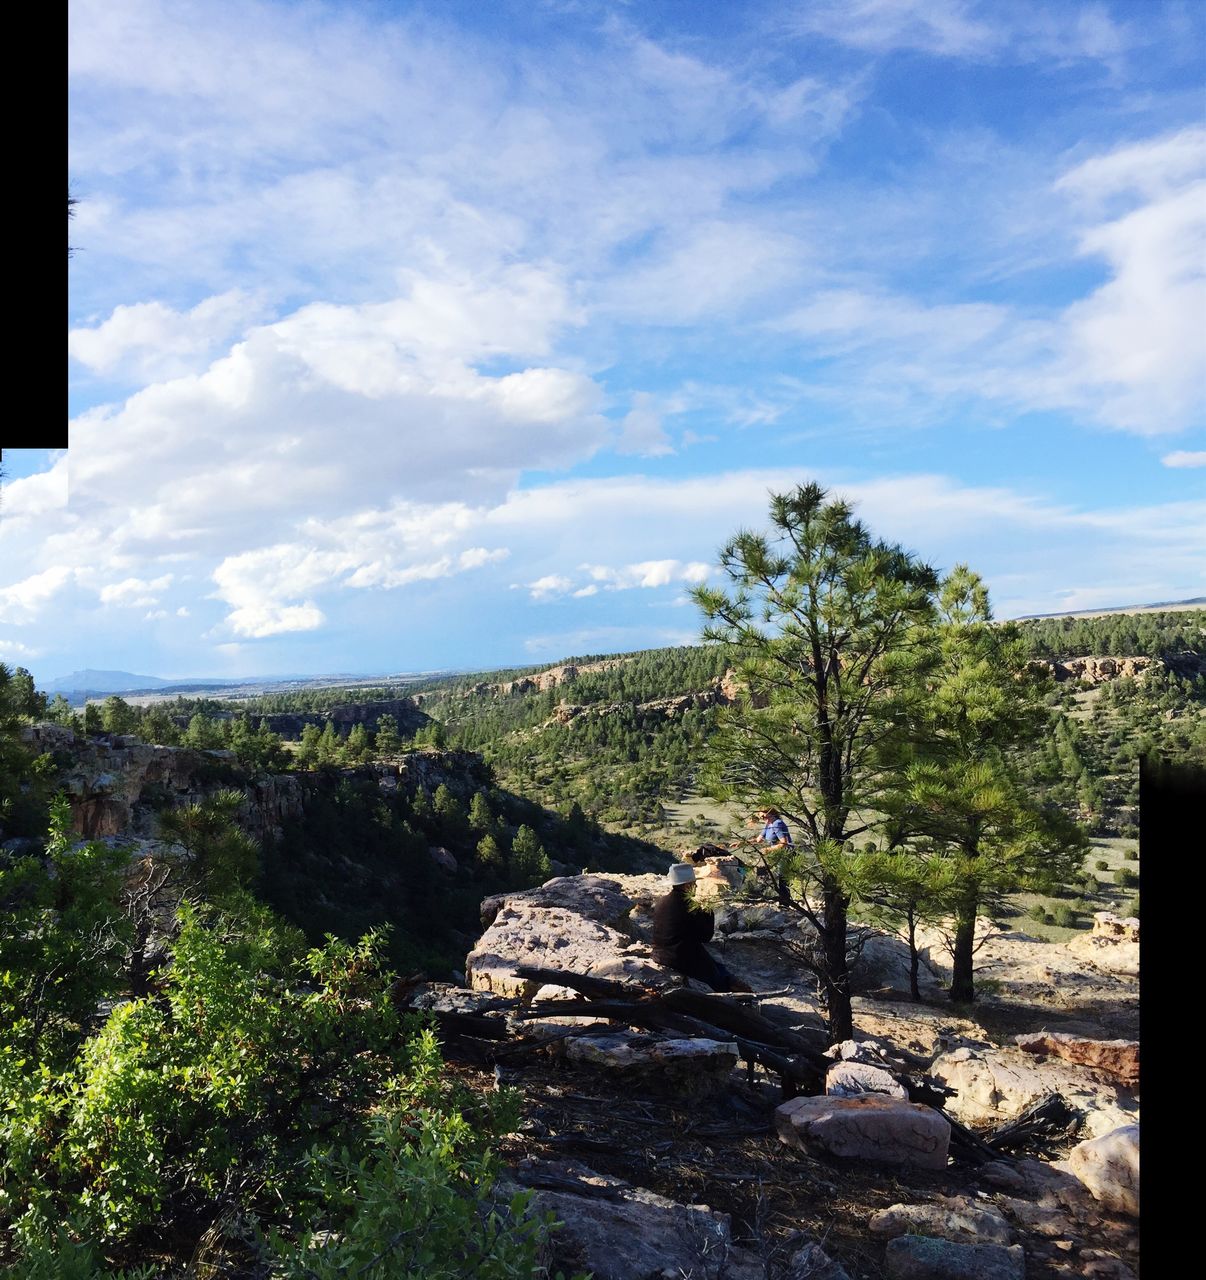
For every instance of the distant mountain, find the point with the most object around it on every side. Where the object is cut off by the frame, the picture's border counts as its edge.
(91, 681)
(1164, 606)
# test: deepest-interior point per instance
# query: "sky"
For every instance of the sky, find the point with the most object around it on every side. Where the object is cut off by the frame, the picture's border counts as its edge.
(408, 336)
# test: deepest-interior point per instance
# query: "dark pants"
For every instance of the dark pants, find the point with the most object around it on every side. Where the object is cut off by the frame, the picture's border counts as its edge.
(701, 965)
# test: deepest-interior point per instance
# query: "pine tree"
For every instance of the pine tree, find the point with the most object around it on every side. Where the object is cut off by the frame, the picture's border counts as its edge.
(529, 862)
(984, 704)
(481, 816)
(330, 748)
(823, 619)
(357, 749)
(488, 854)
(388, 740)
(307, 751)
(117, 716)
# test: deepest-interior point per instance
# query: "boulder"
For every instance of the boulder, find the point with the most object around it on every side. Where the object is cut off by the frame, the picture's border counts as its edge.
(1109, 1167)
(619, 1232)
(443, 859)
(866, 1127)
(992, 1085)
(848, 1079)
(524, 932)
(691, 1067)
(927, 1258)
(593, 897)
(957, 1218)
(1117, 1058)
(1112, 945)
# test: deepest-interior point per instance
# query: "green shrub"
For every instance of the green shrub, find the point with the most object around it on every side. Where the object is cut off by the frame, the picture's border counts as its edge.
(1131, 907)
(1064, 916)
(1102, 865)
(1038, 912)
(1125, 878)
(1131, 855)
(284, 1081)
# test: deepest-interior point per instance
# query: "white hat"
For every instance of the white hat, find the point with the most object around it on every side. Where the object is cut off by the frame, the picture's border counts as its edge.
(680, 873)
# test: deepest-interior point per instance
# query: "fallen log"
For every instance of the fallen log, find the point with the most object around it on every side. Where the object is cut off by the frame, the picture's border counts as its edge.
(1043, 1121)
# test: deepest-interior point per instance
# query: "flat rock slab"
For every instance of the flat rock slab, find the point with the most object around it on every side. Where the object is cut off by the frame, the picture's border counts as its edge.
(526, 933)
(926, 1258)
(849, 1079)
(1109, 1167)
(957, 1219)
(1117, 1058)
(594, 897)
(682, 1066)
(867, 1127)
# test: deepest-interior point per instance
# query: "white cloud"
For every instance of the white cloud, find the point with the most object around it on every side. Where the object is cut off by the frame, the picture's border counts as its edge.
(648, 573)
(552, 584)
(135, 592)
(149, 340)
(15, 651)
(23, 601)
(976, 30)
(1185, 458)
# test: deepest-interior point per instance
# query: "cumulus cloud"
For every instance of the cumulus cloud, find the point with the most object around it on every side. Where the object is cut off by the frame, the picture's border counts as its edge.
(15, 651)
(135, 592)
(648, 573)
(1185, 458)
(150, 340)
(24, 600)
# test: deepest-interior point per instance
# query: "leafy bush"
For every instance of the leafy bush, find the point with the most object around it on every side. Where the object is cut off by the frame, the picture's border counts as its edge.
(1125, 878)
(1102, 865)
(1038, 912)
(1064, 916)
(281, 1081)
(1131, 908)
(1131, 855)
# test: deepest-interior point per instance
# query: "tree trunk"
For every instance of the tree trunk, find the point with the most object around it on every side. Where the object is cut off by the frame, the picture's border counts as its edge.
(914, 987)
(836, 977)
(962, 988)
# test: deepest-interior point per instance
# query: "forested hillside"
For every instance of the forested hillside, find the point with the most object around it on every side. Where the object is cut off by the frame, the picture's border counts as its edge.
(625, 757)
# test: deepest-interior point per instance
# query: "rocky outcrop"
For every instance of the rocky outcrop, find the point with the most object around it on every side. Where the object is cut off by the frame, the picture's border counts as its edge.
(1117, 1058)
(346, 716)
(1112, 945)
(1109, 1167)
(992, 1085)
(568, 923)
(867, 1127)
(1100, 670)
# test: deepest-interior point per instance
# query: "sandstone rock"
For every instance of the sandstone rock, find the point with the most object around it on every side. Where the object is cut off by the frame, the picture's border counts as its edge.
(867, 1127)
(1099, 670)
(849, 1079)
(718, 875)
(1118, 1058)
(592, 897)
(926, 1258)
(525, 933)
(1116, 928)
(957, 1219)
(692, 1067)
(1109, 1167)
(997, 1084)
(618, 1232)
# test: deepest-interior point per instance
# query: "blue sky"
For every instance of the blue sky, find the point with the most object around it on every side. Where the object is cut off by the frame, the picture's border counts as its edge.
(409, 335)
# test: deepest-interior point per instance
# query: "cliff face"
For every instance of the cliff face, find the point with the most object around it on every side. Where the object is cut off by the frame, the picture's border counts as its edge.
(117, 785)
(404, 711)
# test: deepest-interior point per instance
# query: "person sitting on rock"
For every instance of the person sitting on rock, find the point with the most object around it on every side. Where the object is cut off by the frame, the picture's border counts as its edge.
(680, 931)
